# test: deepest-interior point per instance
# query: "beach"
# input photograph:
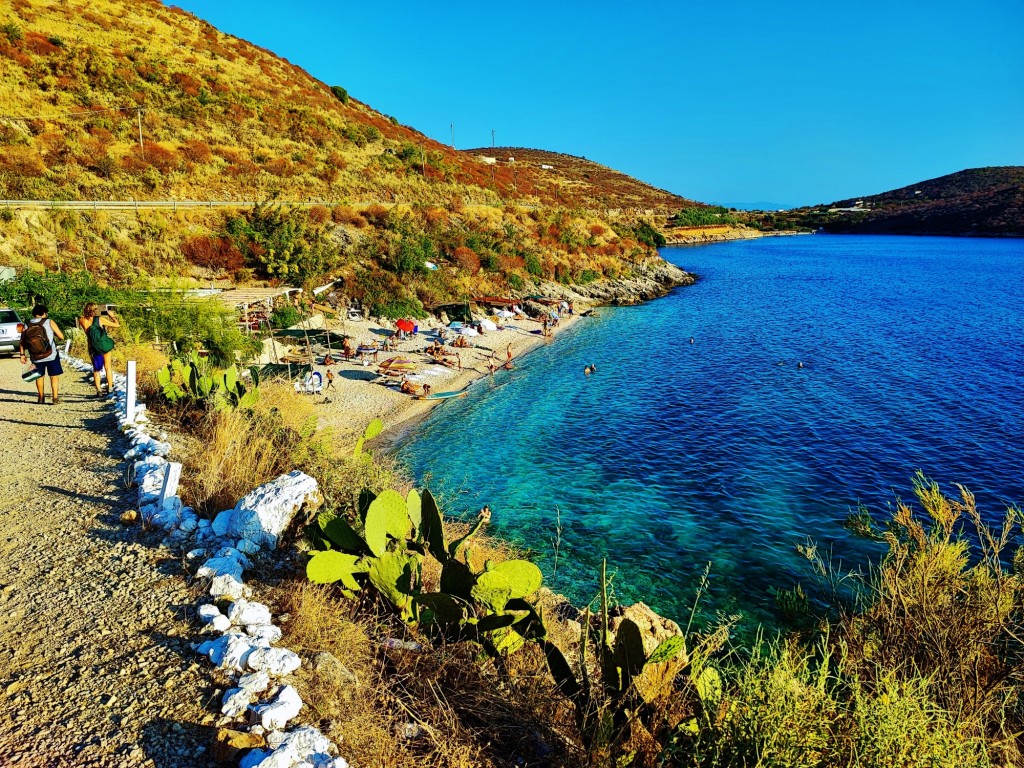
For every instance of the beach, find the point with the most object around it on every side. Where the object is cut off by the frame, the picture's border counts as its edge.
(355, 400)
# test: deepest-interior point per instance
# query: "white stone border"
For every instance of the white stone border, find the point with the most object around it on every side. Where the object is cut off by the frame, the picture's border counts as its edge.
(244, 647)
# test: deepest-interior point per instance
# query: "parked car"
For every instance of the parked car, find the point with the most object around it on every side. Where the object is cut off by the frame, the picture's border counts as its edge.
(10, 331)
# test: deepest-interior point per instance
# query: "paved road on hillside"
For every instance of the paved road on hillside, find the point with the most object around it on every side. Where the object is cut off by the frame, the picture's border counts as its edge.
(95, 667)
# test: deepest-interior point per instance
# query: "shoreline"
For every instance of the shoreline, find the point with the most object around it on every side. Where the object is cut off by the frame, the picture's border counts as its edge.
(355, 400)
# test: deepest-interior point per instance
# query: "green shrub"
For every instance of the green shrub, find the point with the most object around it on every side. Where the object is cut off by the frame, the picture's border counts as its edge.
(12, 31)
(285, 316)
(648, 235)
(588, 276)
(340, 93)
(533, 265)
(515, 282)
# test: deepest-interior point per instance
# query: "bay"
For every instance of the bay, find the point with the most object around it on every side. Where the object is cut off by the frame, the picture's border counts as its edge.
(675, 454)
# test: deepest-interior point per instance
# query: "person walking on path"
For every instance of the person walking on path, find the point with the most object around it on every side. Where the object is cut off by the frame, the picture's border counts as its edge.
(37, 344)
(95, 325)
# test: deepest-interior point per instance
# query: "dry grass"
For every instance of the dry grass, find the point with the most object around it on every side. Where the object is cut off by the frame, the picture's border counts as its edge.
(232, 452)
(445, 706)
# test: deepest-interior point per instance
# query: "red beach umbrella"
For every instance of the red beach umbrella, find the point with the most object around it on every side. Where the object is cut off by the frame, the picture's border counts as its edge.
(405, 325)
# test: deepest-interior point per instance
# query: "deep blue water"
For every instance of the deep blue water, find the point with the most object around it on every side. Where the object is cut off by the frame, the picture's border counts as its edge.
(675, 454)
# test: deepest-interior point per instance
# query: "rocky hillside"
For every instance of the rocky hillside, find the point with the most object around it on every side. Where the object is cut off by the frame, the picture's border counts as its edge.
(576, 181)
(986, 202)
(119, 100)
(110, 99)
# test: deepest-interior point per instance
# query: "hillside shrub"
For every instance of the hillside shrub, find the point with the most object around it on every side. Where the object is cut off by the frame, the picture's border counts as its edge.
(340, 93)
(467, 259)
(515, 282)
(534, 265)
(285, 316)
(212, 252)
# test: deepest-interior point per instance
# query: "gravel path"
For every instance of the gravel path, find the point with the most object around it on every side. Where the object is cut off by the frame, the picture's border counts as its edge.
(95, 664)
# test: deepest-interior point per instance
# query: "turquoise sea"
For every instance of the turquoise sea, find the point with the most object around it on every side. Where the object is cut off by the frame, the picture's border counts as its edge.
(674, 455)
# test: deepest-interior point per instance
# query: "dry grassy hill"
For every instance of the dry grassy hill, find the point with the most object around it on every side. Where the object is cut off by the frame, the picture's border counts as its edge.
(576, 181)
(224, 119)
(119, 100)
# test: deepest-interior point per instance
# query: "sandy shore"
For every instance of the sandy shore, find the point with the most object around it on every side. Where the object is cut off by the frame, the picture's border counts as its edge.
(355, 400)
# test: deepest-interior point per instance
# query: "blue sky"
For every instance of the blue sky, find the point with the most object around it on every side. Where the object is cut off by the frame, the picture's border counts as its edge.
(789, 102)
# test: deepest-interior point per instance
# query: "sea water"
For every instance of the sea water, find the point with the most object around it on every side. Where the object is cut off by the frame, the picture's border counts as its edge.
(723, 450)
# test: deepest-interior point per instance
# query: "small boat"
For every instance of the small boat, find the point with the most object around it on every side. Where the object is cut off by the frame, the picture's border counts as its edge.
(441, 395)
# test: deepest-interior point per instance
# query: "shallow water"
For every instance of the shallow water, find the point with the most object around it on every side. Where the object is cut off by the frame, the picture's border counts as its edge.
(675, 454)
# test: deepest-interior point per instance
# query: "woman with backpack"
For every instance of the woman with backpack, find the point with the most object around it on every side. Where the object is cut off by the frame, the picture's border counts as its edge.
(95, 325)
(37, 345)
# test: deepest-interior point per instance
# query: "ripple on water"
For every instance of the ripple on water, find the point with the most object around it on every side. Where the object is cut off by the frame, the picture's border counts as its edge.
(674, 454)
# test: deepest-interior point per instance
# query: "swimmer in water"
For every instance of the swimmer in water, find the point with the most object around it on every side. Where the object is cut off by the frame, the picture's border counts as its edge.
(586, 370)
(799, 365)
(691, 339)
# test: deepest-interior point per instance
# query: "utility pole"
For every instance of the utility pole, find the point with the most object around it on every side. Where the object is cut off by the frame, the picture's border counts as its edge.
(453, 135)
(142, 147)
(492, 138)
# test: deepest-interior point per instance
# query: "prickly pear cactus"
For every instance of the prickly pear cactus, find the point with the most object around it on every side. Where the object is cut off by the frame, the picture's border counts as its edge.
(524, 577)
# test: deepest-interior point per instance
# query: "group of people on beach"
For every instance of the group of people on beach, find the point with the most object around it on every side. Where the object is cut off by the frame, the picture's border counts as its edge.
(39, 352)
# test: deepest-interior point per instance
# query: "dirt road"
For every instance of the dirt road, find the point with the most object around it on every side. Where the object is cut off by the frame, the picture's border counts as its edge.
(95, 666)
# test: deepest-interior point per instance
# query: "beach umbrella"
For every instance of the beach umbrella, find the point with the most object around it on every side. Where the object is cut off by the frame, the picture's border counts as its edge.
(397, 365)
(467, 331)
(405, 325)
(456, 324)
(488, 325)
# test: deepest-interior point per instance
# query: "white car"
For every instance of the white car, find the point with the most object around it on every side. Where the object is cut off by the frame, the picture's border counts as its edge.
(10, 331)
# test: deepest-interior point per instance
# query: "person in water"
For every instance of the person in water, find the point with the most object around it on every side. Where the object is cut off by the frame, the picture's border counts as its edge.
(799, 365)
(593, 367)
(586, 370)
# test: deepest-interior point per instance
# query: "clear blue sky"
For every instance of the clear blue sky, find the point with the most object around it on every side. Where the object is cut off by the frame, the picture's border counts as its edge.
(788, 102)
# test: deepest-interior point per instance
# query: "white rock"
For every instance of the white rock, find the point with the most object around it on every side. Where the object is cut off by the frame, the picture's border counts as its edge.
(326, 761)
(275, 661)
(208, 612)
(266, 512)
(305, 740)
(221, 522)
(282, 708)
(248, 547)
(228, 586)
(253, 758)
(197, 554)
(255, 682)
(220, 566)
(221, 623)
(189, 524)
(263, 634)
(234, 554)
(235, 701)
(244, 612)
(227, 651)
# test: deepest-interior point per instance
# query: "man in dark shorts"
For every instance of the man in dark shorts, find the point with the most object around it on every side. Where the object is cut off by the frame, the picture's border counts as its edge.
(46, 364)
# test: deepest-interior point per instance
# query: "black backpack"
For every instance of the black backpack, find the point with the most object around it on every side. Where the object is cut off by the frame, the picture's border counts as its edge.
(35, 341)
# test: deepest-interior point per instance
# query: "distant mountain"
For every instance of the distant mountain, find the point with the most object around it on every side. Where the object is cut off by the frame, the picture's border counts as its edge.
(759, 205)
(985, 202)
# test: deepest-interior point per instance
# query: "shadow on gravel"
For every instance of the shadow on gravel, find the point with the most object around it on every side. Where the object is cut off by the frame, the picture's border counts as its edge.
(98, 500)
(173, 744)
